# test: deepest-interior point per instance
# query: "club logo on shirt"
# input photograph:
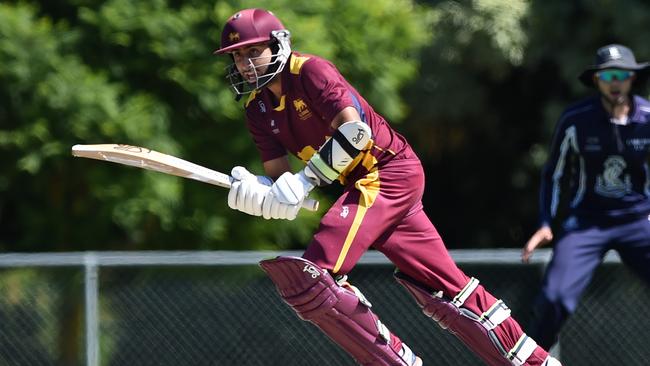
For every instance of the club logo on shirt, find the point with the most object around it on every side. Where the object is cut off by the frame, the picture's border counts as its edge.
(301, 108)
(345, 211)
(262, 106)
(610, 183)
(639, 144)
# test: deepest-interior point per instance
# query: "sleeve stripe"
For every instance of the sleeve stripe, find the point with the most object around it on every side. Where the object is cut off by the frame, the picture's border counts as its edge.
(357, 106)
(568, 142)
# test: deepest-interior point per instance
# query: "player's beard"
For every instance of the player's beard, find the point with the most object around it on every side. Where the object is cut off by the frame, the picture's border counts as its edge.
(615, 98)
(616, 102)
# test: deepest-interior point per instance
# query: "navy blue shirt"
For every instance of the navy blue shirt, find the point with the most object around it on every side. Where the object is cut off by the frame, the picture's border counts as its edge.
(606, 164)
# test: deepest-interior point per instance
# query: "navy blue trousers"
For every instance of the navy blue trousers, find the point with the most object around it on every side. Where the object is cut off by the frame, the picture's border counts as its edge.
(576, 255)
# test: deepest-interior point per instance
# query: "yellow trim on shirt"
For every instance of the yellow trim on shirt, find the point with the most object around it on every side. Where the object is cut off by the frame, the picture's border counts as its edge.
(295, 64)
(252, 96)
(369, 188)
(281, 106)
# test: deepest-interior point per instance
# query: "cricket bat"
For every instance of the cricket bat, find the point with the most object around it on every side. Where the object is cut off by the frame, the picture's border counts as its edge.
(141, 157)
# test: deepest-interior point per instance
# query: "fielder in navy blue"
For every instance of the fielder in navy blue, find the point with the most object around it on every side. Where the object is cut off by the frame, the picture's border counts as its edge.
(601, 146)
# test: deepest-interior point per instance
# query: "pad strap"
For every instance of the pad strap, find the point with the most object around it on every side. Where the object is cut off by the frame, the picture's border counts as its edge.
(338, 310)
(524, 347)
(495, 315)
(476, 331)
(459, 299)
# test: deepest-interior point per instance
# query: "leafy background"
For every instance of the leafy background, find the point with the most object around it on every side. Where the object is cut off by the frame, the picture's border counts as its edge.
(476, 86)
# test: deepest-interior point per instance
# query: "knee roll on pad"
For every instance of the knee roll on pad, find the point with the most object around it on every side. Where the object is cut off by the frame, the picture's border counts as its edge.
(340, 313)
(475, 330)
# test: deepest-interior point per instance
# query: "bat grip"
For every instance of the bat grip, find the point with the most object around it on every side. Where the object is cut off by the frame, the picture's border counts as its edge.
(310, 204)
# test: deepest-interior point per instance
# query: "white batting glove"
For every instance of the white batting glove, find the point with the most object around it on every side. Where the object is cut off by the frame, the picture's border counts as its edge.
(272, 208)
(247, 192)
(292, 189)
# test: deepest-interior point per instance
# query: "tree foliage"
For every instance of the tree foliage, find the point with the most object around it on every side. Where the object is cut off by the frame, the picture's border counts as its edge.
(476, 86)
(143, 73)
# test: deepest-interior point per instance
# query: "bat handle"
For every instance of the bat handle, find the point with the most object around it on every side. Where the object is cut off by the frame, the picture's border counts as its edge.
(310, 204)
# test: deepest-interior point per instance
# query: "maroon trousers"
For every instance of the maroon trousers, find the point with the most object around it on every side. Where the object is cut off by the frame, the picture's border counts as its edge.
(383, 210)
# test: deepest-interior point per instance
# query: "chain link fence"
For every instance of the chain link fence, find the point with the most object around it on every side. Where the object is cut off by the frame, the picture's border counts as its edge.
(218, 308)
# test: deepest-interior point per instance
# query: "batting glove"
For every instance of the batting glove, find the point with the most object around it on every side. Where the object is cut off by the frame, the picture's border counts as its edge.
(247, 192)
(292, 189)
(272, 208)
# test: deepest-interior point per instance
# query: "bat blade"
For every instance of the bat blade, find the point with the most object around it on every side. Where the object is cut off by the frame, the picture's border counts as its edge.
(144, 158)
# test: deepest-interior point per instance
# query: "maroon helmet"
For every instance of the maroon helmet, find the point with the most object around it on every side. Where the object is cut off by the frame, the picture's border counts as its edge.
(252, 26)
(247, 27)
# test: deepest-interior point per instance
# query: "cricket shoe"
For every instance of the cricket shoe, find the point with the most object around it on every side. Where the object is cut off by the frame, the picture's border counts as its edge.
(410, 358)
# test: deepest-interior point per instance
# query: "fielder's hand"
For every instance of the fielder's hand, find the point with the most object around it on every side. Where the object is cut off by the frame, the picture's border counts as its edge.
(542, 236)
(247, 192)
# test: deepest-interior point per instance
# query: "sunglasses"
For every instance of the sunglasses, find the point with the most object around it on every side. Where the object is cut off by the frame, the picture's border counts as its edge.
(609, 75)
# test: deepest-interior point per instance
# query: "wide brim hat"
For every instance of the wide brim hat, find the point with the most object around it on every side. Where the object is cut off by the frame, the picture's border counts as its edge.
(614, 56)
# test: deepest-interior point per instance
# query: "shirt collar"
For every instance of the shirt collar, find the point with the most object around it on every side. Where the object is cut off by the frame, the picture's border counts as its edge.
(639, 113)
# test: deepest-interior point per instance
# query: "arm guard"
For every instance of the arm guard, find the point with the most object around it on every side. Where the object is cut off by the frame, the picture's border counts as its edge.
(337, 153)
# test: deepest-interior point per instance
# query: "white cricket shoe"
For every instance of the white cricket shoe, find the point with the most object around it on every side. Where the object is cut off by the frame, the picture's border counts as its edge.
(410, 358)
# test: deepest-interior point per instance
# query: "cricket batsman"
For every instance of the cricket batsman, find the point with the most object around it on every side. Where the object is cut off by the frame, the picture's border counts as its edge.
(300, 104)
